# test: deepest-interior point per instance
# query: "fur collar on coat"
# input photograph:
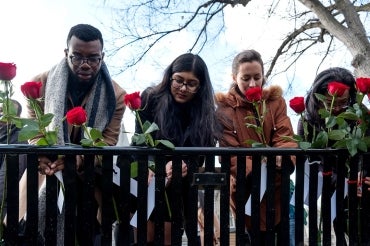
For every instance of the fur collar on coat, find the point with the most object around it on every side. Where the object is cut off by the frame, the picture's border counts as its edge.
(235, 99)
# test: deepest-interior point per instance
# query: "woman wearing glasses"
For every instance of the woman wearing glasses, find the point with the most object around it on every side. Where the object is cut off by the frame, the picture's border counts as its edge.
(313, 105)
(183, 107)
(320, 86)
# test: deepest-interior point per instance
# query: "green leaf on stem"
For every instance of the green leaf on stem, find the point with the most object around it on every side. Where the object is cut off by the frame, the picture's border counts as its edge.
(320, 97)
(304, 145)
(254, 143)
(29, 129)
(45, 120)
(42, 142)
(253, 126)
(362, 145)
(51, 137)
(330, 121)
(336, 134)
(149, 140)
(100, 144)
(321, 140)
(366, 141)
(146, 126)
(17, 122)
(166, 143)
(340, 144)
(324, 113)
(295, 138)
(258, 145)
(138, 139)
(95, 134)
(152, 128)
(87, 142)
(348, 115)
(352, 147)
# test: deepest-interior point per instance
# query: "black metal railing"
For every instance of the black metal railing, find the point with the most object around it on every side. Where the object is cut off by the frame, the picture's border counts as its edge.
(352, 219)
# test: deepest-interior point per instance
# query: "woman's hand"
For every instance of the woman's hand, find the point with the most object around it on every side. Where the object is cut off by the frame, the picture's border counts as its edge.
(184, 170)
(367, 181)
(49, 168)
(150, 176)
(278, 162)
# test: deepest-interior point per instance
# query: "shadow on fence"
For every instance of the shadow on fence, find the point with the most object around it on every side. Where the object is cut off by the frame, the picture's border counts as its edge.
(353, 219)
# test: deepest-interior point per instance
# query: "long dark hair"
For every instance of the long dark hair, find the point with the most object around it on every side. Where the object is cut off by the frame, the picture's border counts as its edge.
(320, 85)
(202, 129)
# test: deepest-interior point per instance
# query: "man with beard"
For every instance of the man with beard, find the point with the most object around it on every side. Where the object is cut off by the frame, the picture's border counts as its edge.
(81, 78)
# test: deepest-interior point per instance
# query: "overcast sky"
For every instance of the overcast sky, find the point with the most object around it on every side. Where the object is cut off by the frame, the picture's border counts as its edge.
(33, 36)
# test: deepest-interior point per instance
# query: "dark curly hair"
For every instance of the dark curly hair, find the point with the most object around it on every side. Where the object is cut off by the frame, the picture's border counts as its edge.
(86, 33)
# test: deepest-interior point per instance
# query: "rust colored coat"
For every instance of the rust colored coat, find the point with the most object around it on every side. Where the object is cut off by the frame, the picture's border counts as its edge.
(232, 108)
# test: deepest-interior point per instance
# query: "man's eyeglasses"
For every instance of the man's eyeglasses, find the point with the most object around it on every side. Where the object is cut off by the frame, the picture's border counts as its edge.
(191, 86)
(91, 61)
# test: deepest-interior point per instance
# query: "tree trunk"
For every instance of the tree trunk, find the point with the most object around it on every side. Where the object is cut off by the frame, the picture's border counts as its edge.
(352, 34)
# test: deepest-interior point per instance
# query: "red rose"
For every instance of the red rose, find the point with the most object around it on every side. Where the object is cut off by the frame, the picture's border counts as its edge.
(297, 104)
(31, 90)
(253, 94)
(133, 100)
(363, 85)
(337, 88)
(7, 71)
(76, 116)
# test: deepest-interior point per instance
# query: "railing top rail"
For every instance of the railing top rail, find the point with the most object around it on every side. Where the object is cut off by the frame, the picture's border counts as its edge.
(122, 150)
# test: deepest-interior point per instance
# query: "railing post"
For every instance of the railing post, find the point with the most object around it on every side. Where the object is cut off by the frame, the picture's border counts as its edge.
(329, 162)
(286, 170)
(225, 202)
(32, 222)
(71, 193)
(312, 204)
(299, 199)
(124, 200)
(353, 211)
(271, 192)
(11, 188)
(365, 201)
(241, 199)
(142, 197)
(107, 199)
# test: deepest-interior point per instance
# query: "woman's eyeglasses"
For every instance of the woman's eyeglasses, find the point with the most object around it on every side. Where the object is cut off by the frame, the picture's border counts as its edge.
(190, 86)
(339, 105)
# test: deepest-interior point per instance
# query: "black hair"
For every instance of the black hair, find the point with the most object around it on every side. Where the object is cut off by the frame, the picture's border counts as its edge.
(86, 33)
(203, 127)
(320, 85)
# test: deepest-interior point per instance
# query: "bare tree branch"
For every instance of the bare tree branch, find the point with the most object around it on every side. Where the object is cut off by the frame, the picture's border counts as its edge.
(290, 38)
(145, 23)
(213, 8)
